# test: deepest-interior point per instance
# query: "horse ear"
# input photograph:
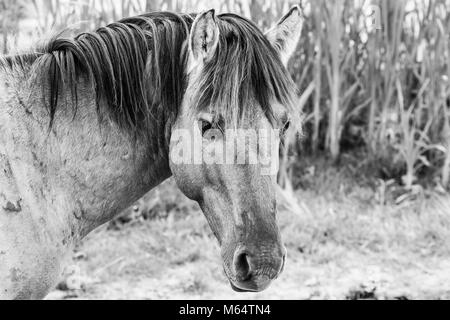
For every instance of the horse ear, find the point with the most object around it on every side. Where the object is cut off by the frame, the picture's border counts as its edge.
(285, 36)
(204, 37)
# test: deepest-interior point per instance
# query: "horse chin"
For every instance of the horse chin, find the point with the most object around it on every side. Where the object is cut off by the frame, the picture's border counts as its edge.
(254, 286)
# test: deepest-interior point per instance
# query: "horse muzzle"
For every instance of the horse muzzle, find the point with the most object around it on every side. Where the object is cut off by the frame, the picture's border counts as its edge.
(255, 273)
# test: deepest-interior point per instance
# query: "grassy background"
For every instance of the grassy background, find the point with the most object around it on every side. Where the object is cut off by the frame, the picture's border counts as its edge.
(345, 240)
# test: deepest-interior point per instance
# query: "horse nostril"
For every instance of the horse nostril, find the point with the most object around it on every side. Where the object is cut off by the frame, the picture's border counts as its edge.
(242, 267)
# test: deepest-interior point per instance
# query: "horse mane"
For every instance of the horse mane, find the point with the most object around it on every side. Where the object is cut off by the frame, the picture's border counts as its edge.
(138, 67)
(245, 68)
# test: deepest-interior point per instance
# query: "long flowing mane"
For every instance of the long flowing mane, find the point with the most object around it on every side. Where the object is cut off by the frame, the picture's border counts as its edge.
(138, 67)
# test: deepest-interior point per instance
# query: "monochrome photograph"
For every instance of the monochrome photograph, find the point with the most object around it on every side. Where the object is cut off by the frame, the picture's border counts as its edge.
(202, 150)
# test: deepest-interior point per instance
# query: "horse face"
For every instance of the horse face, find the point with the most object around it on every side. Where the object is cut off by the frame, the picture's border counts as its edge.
(231, 172)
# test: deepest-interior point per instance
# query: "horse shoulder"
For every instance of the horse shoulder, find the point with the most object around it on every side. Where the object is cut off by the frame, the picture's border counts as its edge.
(31, 243)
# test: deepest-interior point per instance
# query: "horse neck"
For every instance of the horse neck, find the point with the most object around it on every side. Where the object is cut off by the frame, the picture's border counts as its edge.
(86, 167)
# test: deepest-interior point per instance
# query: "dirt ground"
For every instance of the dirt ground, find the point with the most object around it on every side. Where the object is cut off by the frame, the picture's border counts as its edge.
(345, 241)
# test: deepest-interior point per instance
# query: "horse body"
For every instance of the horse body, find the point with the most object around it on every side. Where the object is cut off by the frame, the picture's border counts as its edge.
(59, 185)
(102, 140)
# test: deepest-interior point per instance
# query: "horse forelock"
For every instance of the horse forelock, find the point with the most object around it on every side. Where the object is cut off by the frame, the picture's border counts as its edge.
(245, 72)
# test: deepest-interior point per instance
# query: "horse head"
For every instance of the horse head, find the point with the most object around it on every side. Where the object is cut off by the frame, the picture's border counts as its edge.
(225, 142)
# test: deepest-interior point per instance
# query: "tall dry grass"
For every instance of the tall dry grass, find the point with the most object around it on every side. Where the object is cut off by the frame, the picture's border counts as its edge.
(385, 85)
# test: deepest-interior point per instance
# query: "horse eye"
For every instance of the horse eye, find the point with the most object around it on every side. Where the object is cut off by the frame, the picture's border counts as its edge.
(286, 127)
(205, 126)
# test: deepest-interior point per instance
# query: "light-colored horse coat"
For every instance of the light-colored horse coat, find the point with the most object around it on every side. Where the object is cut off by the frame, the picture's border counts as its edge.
(59, 183)
(56, 187)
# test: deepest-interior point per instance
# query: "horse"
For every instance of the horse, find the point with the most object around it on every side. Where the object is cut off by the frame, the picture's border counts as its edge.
(88, 124)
